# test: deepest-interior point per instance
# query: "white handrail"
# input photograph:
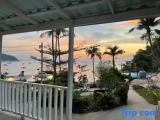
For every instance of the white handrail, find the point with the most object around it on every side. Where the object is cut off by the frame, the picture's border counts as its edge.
(32, 100)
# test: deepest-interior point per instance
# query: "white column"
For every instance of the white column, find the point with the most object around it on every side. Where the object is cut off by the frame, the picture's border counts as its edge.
(1, 37)
(70, 73)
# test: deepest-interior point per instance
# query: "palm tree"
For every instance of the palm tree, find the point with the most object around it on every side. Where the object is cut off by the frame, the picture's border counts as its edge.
(113, 51)
(59, 34)
(147, 24)
(92, 52)
(55, 45)
(83, 80)
(51, 34)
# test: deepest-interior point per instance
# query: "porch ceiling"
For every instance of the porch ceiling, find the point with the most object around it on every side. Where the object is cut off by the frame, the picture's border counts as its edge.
(30, 15)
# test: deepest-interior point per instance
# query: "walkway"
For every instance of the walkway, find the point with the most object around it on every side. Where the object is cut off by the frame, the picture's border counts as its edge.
(135, 102)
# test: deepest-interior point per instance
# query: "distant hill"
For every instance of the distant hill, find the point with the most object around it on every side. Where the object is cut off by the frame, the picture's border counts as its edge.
(6, 57)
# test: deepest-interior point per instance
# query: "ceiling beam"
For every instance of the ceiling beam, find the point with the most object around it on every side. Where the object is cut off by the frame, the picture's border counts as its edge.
(123, 16)
(4, 26)
(109, 3)
(18, 12)
(59, 9)
(158, 3)
(79, 6)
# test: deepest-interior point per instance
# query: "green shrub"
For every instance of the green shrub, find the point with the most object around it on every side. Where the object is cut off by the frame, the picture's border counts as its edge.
(77, 94)
(122, 91)
(101, 99)
(138, 87)
(152, 95)
(82, 104)
(114, 93)
(109, 78)
(127, 77)
(109, 99)
(105, 100)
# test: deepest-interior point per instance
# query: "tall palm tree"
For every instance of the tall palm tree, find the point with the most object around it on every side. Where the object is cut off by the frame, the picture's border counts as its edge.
(147, 24)
(113, 51)
(51, 34)
(93, 52)
(57, 33)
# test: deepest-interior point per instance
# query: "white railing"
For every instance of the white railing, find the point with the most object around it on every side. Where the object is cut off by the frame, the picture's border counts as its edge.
(33, 100)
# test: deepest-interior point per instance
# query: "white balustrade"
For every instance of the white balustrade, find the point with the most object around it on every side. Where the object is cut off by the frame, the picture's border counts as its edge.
(32, 100)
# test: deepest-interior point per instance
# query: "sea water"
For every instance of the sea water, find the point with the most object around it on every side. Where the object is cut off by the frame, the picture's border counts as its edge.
(30, 68)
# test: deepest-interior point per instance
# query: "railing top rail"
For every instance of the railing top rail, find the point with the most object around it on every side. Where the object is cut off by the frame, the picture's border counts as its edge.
(36, 84)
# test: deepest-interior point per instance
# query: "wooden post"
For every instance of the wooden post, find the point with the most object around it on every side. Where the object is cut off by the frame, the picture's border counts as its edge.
(70, 73)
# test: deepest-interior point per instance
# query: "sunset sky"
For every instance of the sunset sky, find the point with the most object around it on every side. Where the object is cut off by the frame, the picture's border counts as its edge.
(23, 45)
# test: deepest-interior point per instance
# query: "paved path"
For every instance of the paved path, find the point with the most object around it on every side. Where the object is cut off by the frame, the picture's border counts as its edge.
(135, 102)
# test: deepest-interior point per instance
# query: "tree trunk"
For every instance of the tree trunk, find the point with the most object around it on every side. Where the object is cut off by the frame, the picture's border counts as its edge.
(150, 40)
(113, 61)
(93, 70)
(59, 56)
(55, 61)
(151, 45)
(53, 55)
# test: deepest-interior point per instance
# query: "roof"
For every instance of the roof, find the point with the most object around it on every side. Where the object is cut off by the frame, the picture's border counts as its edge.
(31, 15)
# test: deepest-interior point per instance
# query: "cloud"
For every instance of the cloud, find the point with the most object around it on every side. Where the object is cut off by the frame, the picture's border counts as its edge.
(104, 34)
(123, 25)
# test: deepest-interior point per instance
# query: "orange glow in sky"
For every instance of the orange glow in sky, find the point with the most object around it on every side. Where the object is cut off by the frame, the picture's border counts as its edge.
(104, 35)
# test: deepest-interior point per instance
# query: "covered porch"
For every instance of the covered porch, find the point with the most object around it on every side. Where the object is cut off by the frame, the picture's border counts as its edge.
(25, 16)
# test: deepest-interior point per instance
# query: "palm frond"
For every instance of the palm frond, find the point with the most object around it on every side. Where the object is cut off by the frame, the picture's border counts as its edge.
(93, 51)
(119, 52)
(140, 27)
(157, 31)
(47, 33)
(131, 30)
(114, 51)
(107, 52)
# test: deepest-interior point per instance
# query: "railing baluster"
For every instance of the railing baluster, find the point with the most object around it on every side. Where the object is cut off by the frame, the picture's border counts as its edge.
(61, 104)
(34, 101)
(55, 103)
(17, 98)
(13, 97)
(29, 100)
(0, 94)
(6, 96)
(39, 101)
(3, 95)
(9, 97)
(21, 99)
(26, 99)
(50, 103)
(25, 106)
(44, 103)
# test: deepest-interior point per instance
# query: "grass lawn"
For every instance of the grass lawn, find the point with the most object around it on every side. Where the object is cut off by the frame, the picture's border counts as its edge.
(152, 95)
